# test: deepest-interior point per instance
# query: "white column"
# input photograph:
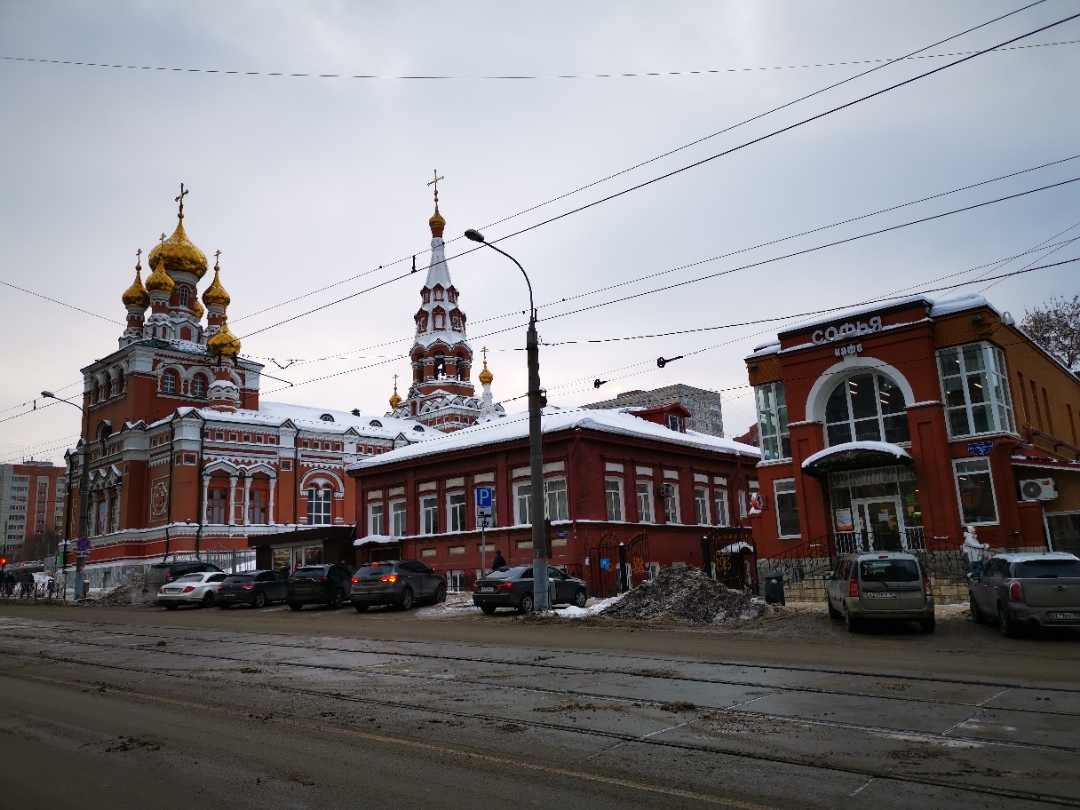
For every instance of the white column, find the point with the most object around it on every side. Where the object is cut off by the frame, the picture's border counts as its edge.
(270, 513)
(232, 500)
(247, 497)
(205, 497)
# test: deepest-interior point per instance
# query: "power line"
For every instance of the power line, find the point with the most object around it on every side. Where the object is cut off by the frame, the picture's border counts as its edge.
(512, 77)
(661, 156)
(61, 303)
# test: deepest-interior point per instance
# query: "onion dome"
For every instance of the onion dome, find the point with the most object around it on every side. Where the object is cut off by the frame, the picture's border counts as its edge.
(197, 308)
(180, 254)
(223, 343)
(395, 398)
(437, 223)
(215, 294)
(486, 376)
(136, 295)
(159, 280)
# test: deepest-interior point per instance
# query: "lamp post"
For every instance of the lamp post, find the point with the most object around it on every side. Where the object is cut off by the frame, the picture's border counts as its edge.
(83, 520)
(541, 600)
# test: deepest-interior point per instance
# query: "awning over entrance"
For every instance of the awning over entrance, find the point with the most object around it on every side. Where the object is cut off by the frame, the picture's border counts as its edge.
(855, 456)
(316, 534)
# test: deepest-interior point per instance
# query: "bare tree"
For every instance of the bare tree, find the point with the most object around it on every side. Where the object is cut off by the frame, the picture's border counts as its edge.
(1056, 327)
(46, 543)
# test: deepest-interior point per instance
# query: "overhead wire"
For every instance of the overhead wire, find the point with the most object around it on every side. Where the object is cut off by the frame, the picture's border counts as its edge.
(61, 303)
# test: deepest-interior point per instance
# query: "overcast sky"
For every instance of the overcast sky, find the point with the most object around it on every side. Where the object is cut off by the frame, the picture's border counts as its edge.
(304, 182)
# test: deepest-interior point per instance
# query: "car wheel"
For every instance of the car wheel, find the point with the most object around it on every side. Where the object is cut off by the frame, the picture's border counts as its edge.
(208, 599)
(296, 606)
(1006, 623)
(488, 609)
(406, 600)
(260, 600)
(581, 598)
(928, 625)
(851, 622)
(526, 605)
(360, 607)
(833, 612)
(977, 615)
(338, 600)
(171, 606)
(440, 594)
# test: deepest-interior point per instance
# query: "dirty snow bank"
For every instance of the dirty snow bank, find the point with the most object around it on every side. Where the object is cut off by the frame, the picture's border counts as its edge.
(685, 594)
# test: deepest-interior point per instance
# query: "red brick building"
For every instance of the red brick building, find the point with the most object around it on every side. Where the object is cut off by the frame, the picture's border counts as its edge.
(610, 477)
(899, 425)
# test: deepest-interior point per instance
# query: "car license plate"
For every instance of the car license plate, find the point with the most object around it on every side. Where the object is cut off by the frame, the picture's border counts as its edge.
(487, 589)
(879, 594)
(1061, 616)
(172, 590)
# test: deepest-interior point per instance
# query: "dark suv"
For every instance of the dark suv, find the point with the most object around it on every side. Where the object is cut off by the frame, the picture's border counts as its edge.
(255, 588)
(396, 582)
(320, 584)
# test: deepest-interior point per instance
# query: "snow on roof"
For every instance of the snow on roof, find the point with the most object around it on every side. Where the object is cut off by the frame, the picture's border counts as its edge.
(376, 540)
(516, 426)
(847, 447)
(937, 307)
(772, 347)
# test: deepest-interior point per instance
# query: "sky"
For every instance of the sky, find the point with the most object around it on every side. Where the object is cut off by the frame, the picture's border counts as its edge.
(306, 182)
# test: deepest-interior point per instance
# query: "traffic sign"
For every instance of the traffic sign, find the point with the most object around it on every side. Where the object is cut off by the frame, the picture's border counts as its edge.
(83, 544)
(485, 502)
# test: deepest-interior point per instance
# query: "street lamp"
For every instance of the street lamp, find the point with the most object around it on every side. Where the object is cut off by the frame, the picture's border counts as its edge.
(536, 447)
(83, 519)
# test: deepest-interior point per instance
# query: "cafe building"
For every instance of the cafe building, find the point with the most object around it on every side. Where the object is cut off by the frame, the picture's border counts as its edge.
(896, 426)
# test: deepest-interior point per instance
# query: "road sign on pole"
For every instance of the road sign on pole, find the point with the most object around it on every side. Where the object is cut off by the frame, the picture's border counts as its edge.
(485, 503)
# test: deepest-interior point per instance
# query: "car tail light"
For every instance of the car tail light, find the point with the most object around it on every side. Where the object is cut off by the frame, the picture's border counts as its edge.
(356, 579)
(161, 589)
(390, 578)
(505, 586)
(189, 589)
(1014, 592)
(247, 586)
(926, 589)
(322, 579)
(853, 589)
(476, 586)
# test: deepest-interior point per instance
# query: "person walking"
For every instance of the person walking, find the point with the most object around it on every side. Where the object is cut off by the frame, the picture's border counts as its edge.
(975, 551)
(498, 562)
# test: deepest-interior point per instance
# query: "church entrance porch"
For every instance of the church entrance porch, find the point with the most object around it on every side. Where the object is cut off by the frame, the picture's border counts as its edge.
(876, 509)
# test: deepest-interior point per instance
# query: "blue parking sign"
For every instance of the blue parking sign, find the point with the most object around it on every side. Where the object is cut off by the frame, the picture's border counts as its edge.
(485, 497)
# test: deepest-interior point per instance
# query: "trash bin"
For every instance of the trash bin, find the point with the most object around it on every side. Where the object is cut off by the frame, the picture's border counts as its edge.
(774, 588)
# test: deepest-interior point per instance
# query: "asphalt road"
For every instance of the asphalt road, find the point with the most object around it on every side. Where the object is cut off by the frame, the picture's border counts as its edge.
(136, 707)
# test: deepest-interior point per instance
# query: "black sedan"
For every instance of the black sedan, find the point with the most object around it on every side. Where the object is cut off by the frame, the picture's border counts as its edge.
(513, 588)
(400, 583)
(255, 588)
(319, 584)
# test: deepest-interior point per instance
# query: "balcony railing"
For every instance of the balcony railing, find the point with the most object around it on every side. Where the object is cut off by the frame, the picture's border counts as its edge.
(910, 539)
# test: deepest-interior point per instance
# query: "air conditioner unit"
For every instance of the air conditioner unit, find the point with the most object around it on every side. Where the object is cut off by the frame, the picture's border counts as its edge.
(1038, 489)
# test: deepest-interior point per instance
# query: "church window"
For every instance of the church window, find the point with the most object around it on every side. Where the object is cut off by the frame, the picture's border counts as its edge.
(418, 428)
(168, 381)
(320, 506)
(440, 366)
(426, 293)
(217, 501)
(108, 388)
(422, 323)
(455, 322)
(185, 333)
(257, 506)
(440, 320)
(327, 417)
(375, 423)
(247, 437)
(451, 294)
(198, 386)
(183, 296)
(438, 293)
(119, 381)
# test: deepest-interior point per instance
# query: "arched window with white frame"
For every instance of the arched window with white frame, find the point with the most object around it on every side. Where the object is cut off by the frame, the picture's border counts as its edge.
(169, 382)
(866, 407)
(320, 505)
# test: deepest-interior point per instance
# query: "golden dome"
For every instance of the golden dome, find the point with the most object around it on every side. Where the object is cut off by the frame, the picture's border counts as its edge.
(198, 309)
(437, 223)
(395, 399)
(136, 295)
(215, 294)
(159, 280)
(486, 376)
(223, 343)
(181, 256)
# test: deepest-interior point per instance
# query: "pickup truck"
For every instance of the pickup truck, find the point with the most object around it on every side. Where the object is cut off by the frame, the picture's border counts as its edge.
(1017, 590)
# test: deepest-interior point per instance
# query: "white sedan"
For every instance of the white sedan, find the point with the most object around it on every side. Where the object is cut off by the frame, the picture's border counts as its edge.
(191, 589)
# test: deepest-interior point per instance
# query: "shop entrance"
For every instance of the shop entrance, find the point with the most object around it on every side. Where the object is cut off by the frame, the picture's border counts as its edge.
(876, 509)
(881, 523)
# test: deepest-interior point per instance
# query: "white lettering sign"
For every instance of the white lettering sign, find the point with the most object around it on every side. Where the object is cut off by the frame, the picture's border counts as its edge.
(848, 330)
(850, 349)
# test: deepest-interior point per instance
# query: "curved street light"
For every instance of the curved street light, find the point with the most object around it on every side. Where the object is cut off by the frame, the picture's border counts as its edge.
(84, 523)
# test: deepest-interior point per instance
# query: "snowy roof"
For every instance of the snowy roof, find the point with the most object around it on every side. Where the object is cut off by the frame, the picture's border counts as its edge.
(937, 309)
(848, 447)
(376, 540)
(772, 347)
(516, 426)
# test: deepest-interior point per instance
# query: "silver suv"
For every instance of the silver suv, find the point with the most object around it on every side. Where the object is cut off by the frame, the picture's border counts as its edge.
(870, 587)
(1034, 589)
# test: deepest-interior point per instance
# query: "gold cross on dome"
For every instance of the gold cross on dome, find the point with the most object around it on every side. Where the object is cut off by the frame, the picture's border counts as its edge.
(435, 183)
(395, 382)
(162, 238)
(484, 352)
(138, 256)
(180, 199)
(216, 254)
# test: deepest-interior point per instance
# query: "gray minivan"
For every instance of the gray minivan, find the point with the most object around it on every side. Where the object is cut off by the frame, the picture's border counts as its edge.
(875, 586)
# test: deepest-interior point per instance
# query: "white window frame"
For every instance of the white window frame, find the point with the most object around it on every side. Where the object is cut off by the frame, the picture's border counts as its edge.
(556, 498)
(723, 507)
(742, 503)
(645, 501)
(772, 392)
(993, 492)
(701, 506)
(429, 514)
(617, 503)
(785, 486)
(376, 518)
(455, 512)
(320, 505)
(995, 370)
(845, 384)
(671, 505)
(523, 503)
(399, 509)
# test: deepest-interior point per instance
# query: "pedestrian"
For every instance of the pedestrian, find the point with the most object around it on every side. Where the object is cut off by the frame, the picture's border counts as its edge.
(498, 562)
(976, 551)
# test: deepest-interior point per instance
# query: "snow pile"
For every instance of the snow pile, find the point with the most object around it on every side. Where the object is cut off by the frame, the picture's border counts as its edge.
(574, 612)
(685, 594)
(126, 594)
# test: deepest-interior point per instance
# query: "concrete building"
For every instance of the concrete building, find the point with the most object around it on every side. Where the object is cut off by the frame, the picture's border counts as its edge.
(704, 406)
(33, 497)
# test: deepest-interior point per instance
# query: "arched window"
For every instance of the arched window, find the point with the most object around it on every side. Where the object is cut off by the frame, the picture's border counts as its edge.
(320, 506)
(375, 423)
(97, 392)
(438, 293)
(440, 366)
(426, 293)
(108, 387)
(440, 319)
(455, 322)
(867, 407)
(183, 296)
(421, 323)
(168, 381)
(326, 417)
(198, 386)
(119, 381)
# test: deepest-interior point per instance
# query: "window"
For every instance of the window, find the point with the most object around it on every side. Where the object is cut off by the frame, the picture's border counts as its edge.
(429, 515)
(773, 421)
(557, 505)
(644, 501)
(975, 491)
(455, 507)
(376, 518)
(674, 422)
(523, 504)
(257, 506)
(320, 506)
(701, 505)
(866, 407)
(397, 518)
(976, 392)
(114, 516)
(168, 381)
(787, 508)
(1064, 531)
(184, 296)
(671, 503)
(720, 501)
(217, 501)
(742, 503)
(198, 386)
(613, 496)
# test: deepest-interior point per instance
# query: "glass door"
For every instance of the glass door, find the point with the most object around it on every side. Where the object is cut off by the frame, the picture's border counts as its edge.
(881, 523)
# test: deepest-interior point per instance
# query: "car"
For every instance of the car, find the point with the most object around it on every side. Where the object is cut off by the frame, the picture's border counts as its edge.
(880, 586)
(1034, 590)
(400, 583)
(255, 588)
(512, 587)
(318, 584)
(199, 590)
(160, 573)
